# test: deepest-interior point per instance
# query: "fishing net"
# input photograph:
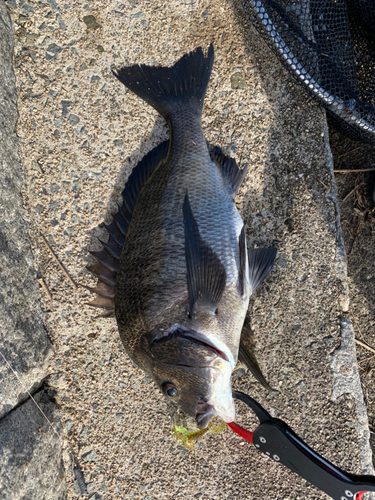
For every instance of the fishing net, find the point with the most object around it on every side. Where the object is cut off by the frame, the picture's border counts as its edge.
(329, 46)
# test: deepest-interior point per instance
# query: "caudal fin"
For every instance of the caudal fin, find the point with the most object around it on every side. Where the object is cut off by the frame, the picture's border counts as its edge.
(164, 88)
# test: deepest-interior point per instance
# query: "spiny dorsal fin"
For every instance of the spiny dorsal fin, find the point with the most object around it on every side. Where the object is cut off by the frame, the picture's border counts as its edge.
(206, 276)
(261, 262)
(247, 357)
(108, 259)
(229, 168)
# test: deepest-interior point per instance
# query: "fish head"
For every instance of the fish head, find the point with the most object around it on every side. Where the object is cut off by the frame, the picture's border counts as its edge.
(192, 373)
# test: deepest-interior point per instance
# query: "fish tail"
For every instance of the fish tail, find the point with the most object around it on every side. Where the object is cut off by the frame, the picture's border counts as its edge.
(164, 88)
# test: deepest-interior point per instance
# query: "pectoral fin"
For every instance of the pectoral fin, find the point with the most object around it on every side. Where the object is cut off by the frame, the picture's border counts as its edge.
(206, 276)
(261, 261)
(247, 357)
(242, 268)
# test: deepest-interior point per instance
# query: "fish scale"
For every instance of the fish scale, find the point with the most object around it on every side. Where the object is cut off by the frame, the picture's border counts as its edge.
(182, 278)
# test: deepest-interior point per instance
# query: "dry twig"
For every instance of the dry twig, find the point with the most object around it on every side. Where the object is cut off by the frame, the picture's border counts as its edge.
(322, 183)
(353, 191)
(354, 170)
(359, 342)
(45, 288)
(58, 262)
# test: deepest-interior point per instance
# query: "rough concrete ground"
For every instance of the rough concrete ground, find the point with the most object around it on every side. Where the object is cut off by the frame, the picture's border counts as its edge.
(81, 134)
(30, 451)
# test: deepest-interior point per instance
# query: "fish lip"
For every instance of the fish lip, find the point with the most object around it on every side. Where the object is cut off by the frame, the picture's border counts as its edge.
(203, 419)
(204, 413)
(193, 336)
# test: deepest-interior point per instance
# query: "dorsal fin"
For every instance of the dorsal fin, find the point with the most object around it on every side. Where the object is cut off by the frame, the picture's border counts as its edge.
(108, 259)
(229, 168)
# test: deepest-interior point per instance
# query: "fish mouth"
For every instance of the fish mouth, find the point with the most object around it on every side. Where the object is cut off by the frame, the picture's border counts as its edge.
(195, 337)
(204, 413)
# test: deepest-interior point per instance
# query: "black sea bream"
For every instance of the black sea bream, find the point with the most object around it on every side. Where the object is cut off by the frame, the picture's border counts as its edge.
(176, 271)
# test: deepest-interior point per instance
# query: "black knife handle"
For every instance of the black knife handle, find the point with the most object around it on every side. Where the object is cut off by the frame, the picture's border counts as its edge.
(278, 441)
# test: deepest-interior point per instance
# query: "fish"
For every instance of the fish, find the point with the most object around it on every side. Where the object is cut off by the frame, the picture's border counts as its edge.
(176, 272)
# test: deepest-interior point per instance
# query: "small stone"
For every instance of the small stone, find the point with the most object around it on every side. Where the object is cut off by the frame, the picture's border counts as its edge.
(27, 8)
(74, 119)
(346, 369)
(53, 49)
(204, 14)
(68, 425)
(65, 105)
(100, 48)
(95, 78)
(118, 142)
(60, 21)
(90, 22)
(136, 15)
(83, 67)
(89, 457)
(237, 81)
(119, 416)
(238, 373)
(53, 205)
(282, 261)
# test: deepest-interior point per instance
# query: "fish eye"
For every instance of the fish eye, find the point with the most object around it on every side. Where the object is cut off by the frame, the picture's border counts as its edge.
(170, 389)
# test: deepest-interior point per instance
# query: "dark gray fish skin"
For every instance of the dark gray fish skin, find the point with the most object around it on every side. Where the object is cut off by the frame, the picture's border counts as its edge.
(183, 280)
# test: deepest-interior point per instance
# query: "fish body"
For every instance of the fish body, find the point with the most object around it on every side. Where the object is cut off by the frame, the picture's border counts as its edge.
(183, 278)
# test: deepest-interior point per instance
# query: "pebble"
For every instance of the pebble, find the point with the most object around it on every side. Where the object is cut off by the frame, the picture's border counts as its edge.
(90, 22)
(74, 119)
(237, 81)
(90, 456)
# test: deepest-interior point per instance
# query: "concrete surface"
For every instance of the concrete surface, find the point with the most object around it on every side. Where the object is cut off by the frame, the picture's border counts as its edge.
(81, 134)
(23, 339)
(30, 451)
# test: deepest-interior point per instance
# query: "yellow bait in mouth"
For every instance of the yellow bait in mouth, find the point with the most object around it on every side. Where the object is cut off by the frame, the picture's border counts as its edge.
(187, 438)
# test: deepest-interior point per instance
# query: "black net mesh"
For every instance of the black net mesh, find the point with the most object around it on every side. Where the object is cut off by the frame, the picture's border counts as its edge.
(329, 46)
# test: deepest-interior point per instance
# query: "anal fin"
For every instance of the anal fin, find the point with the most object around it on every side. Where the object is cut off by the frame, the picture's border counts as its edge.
(206, 276)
